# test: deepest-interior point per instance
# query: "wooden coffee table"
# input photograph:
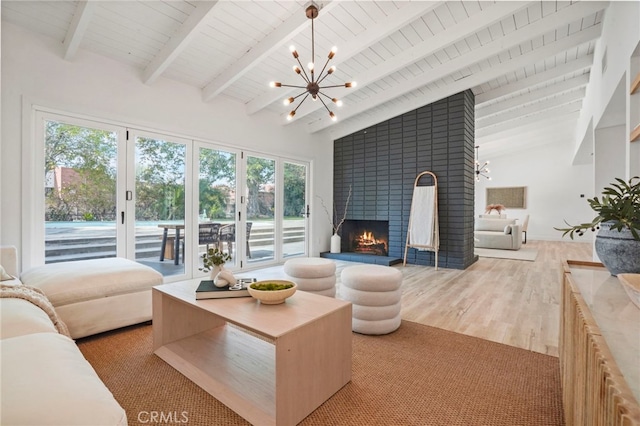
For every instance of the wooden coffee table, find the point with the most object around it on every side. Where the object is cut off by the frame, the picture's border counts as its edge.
(271, 364)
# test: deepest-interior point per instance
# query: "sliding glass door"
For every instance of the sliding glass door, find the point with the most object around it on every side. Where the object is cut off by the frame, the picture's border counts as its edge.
(80, 189)
(160, 196)
(105, 191)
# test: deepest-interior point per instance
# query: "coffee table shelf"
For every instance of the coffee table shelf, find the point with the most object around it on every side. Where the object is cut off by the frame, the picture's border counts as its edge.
(271, 364)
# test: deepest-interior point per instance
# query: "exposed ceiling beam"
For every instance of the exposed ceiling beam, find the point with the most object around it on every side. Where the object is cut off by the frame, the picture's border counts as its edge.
(532, 96)
(77, 28)
(401, 18)
(495, 47)
(555, 130)
(178, 42)
(472, 80)
(577, 65)
(535, 106)
(552, 112)
(284, 32)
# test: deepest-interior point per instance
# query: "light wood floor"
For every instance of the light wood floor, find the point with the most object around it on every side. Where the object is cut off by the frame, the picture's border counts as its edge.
(508, 301)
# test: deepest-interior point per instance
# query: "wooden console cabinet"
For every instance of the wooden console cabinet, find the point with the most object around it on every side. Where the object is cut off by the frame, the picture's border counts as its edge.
(599, 348)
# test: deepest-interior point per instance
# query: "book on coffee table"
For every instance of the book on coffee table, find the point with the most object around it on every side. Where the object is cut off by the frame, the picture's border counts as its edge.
(208, 290)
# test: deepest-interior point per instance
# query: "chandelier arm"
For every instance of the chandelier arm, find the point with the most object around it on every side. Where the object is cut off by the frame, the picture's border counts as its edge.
(335, 85)
(301, 102)
(290, 85)
(325, 105)
(306, 77)
(320, 78)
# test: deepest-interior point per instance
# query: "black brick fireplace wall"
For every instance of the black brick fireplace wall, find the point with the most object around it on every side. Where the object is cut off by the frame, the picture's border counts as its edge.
(381, 163)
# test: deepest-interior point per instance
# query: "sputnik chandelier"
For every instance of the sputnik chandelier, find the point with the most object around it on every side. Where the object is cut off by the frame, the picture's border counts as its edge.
(312, 87)
(481, 170)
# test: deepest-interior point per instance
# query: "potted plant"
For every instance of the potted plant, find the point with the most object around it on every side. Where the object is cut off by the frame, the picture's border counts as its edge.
(213, 261)
(618, 224)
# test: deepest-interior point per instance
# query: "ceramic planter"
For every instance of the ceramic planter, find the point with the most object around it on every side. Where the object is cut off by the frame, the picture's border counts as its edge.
(618, 251)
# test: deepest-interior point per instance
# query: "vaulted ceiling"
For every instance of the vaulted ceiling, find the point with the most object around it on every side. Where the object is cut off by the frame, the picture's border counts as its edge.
(527, 62)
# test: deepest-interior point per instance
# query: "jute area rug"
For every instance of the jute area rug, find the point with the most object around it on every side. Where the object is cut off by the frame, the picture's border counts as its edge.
(525, 253)
(418, 375)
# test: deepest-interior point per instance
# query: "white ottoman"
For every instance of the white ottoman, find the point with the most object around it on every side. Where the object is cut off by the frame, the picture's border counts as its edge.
(92, 296)
(312, 274)
(375, 293)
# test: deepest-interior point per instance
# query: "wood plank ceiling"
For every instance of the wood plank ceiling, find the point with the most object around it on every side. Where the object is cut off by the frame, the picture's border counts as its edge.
(527, 62)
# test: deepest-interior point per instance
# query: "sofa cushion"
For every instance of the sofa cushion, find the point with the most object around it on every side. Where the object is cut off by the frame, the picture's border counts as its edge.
(4, 276)
(19, 317)
(507, 230)
(495, 225)
(46, 381)
(73, 282)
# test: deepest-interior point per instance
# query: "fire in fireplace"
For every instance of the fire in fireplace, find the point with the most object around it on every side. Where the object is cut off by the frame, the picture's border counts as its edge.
(366, 237)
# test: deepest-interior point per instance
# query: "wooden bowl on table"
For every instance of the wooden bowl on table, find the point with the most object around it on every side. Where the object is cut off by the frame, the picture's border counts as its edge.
(271, 292)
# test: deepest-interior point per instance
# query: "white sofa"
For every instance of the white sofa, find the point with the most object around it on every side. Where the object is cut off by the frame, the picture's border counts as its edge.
(45, 378)
(497, 234)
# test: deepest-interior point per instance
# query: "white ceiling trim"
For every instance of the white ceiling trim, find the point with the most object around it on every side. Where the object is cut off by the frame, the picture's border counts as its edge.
(366, 39)
(179, 41)
(476, 79)
(529, 109)
(77, 28)
(571, 67)
(531, 97)
(552, 112)
(489, 50)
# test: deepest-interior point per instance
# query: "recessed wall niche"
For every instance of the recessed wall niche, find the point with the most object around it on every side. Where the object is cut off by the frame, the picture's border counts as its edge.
(380, 164)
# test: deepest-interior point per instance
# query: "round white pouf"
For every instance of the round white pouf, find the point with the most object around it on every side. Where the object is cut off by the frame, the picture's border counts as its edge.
(374, 292)
(312, 274)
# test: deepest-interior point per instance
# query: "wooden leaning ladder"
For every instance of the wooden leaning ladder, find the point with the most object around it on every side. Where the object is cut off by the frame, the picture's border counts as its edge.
(436, 234)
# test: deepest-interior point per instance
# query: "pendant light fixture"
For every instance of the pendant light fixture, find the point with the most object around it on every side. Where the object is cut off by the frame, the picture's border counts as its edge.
(312, 81)
(481, 170)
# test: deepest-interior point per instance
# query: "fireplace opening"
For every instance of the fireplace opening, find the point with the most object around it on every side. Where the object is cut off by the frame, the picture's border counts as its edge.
(366, 237)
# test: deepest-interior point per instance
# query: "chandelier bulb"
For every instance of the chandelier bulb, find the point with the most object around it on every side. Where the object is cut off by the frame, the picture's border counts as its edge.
(331, 70)
(333, 51)
(290, 116)
(275, 84)
(288, 101)
(310, 66)
(333, 116)
(337, 101)
(297, 69)
(294, 52)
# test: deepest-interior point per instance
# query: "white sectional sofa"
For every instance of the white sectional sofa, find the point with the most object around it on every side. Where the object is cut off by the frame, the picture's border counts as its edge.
(498, 234)
(45, 379)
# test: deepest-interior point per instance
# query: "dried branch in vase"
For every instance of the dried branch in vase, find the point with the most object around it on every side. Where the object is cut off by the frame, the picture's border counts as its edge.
(335, 227)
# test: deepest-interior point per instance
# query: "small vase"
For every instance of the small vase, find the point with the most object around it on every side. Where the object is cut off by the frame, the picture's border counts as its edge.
(215, 271)
(335, 243)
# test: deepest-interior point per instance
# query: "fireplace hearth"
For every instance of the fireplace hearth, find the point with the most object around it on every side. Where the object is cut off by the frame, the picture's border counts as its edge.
(369, 237)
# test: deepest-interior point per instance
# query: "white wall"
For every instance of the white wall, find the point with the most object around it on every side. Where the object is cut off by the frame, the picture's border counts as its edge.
(620, 36)
(33, 71)
(553, 189)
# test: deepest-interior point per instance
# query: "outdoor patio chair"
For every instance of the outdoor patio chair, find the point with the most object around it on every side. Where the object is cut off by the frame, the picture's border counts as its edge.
(209, 234)
(228, 235)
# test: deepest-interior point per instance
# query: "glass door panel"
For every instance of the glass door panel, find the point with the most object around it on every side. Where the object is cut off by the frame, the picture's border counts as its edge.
(217, 203)
(294, 235)
(160, 237)
(260, 209)
(80, 192)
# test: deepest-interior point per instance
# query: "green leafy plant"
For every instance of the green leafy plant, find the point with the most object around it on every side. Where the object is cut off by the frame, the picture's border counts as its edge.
(620, 205)
(213, 257)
